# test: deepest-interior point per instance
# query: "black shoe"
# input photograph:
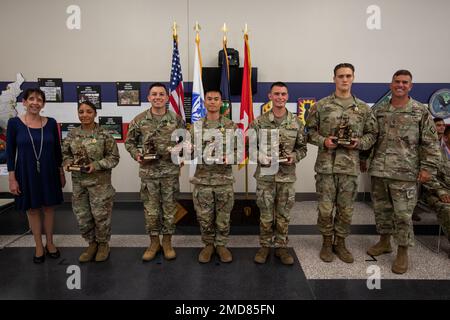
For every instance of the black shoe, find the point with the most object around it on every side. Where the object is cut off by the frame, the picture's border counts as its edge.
(40, 259)
(53, 255)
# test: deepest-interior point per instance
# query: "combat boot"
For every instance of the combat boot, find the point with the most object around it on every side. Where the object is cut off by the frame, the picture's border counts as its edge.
(400, 264)
(224, 254)
(169, 253)
(262, 254)
(326, 253)
(284, 256)
(152, 250)
(89, 253)
(102, 252)
(382, 246)
(206, 253)
(341, 251)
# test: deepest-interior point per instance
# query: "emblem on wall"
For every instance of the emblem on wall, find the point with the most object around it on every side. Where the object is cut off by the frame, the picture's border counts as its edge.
(439, 103)
(303, 107)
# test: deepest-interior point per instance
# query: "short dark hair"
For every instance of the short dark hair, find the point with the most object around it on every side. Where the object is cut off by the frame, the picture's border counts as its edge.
(158, 84)
(278, 84)
(344, 65)
(30, 91)
(88, 103)
(447, 130)
(402, 72)
(214, 90)
(437, 119)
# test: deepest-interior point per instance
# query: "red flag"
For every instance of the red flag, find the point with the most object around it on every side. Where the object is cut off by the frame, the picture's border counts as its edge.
(246, 114)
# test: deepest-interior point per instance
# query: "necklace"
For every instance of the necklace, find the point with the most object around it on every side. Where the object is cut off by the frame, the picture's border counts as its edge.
(38, 157)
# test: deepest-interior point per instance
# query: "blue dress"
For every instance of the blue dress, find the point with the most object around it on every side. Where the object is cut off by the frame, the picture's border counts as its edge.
(42, 188)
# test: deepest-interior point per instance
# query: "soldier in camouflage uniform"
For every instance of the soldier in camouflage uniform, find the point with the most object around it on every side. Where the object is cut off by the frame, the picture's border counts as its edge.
(276, 192)
(423, 196)
(92, 195)
(213, 195)
(406, 152)
(436, 193)
(159, 177)
(337, 165)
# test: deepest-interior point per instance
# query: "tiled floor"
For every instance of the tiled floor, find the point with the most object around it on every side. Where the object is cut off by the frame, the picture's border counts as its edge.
(125, 276)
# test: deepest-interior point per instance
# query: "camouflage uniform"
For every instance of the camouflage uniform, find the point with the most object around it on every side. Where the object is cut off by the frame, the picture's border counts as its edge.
(407, 143)
(93, 194)
(213, 194)
(159, 178)
(338, 169)
(275, 194)
(437, 187)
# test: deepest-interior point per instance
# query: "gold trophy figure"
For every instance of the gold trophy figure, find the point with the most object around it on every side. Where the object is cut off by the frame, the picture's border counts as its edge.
(345, 133)
(149, 150)
(282, 154)
(211, 149)
(81, 161)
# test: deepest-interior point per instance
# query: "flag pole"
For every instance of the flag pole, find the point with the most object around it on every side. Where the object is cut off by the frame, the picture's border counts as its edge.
(181, 211)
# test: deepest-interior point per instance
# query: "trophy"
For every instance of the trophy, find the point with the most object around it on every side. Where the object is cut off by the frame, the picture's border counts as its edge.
(149, 150)
(211, 150)
(345, 133)
(282, 154)
(81, 161)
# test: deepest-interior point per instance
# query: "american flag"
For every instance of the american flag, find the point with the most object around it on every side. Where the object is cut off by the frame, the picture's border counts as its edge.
(176, 83)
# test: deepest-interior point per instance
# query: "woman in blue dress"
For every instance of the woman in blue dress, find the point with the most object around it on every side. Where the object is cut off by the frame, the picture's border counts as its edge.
(36, 177)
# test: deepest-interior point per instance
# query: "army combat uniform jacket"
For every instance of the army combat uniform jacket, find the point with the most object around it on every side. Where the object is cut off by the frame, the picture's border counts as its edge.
(214, 174)
(101, 148)
(291, 136)
(145, 127)
(407, 142)
(324, 120)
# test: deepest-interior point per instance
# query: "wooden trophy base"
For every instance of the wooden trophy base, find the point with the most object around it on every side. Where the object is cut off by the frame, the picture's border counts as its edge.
(150, 157)
(344, 142)
(78, 168)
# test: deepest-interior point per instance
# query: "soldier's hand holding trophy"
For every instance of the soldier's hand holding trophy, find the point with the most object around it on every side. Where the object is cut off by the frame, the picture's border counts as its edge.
(284, 158)
(149, 151)
(81, 162)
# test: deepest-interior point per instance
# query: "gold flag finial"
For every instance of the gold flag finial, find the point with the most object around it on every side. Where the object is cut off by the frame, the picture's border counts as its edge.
(225, 30)
(245, 29)
(197, 29)
(174, 30)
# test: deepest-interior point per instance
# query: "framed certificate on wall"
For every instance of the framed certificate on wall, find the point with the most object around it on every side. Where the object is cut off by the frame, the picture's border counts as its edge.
(113, 125)
(53, 89)
(128, 93)
(90, 93)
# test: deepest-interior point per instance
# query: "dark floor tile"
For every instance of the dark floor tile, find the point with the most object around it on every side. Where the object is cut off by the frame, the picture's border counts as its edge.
(390, 290)
(125, 276)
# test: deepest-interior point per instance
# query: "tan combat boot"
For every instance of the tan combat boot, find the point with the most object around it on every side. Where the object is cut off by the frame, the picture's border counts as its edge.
(206, 253)
(284, 256)
(153, 249)
(262, 254)
(89, 253)
(341, 251)
(400, 264)
(326, 253)
(382, 246)
(102, 252)
(169, 253)
(224, 254)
